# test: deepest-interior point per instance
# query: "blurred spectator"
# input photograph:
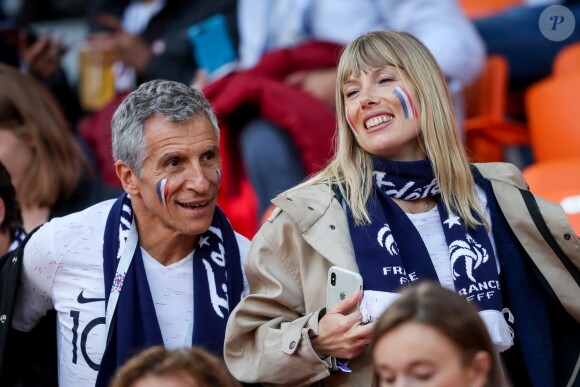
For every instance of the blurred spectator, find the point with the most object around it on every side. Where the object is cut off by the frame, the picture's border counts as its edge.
(152, 42)
(433, 336)
(49, 172)
(515, 34)
(30, 11)
(151, 36)
(440, 25)
(157, 366)
(11, 231)
(40, 56)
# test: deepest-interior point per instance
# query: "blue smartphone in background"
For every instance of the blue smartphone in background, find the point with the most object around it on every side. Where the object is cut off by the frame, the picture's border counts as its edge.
(213, 49)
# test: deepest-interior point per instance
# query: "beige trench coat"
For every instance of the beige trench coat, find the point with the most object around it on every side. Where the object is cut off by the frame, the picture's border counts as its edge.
(267, 337)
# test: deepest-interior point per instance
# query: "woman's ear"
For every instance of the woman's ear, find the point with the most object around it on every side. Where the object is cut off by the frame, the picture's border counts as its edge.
(127, 177)
(479, 369)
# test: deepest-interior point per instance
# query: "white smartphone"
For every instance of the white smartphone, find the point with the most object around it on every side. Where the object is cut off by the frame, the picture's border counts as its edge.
(341, 283)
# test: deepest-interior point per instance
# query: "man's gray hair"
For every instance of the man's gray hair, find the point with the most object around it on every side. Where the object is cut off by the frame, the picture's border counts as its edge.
(173, 100)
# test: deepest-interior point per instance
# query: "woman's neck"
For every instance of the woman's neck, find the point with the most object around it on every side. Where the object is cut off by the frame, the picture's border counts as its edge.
(5, 239)
(34, 216)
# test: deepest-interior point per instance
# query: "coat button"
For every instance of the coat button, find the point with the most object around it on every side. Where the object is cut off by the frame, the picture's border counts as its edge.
(292, 344)
(332, 227)
(3, 319)
(567, 236)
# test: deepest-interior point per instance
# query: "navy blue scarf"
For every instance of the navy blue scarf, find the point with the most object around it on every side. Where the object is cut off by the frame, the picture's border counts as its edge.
(525, 298)
(18, 236)
(218, 287)
(390, 252)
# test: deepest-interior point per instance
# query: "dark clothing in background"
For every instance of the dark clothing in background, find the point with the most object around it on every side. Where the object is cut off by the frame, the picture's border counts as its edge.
(57, 84)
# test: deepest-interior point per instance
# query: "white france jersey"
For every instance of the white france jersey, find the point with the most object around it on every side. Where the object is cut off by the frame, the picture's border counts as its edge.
(62, 269)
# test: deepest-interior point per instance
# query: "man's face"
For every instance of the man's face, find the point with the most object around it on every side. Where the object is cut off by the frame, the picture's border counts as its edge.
(177, 191)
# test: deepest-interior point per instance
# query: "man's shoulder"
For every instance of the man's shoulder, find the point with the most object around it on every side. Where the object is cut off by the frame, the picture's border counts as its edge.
(89, 217)
(78, 224)
(306, 204)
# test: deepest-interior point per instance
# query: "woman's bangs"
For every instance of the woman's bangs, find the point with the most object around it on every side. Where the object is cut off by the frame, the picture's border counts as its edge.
(367, 56)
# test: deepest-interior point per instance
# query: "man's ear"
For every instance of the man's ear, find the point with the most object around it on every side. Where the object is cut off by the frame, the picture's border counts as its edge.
(128, 178)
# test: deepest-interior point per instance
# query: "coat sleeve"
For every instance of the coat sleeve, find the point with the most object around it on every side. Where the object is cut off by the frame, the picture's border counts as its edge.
(268, 334)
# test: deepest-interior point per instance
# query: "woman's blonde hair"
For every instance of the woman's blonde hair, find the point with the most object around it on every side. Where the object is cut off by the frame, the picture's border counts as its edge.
(351, 167)
(28, 109)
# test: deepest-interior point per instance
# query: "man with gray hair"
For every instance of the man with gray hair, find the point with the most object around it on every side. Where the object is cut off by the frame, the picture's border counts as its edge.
(159, 265)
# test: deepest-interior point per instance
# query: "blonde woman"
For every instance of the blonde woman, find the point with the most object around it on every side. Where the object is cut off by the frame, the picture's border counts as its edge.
(399, 203)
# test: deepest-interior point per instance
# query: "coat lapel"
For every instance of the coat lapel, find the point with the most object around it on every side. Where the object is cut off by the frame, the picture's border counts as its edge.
(322, 222)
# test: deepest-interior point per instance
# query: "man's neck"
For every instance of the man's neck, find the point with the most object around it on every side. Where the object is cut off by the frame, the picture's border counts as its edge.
(164, 244)
(167, 250)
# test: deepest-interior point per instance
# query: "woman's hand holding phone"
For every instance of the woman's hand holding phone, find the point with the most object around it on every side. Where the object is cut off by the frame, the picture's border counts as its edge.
(42, 55)
(340, 334)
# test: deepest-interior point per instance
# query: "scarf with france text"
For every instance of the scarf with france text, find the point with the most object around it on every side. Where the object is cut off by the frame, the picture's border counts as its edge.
(390, 252)
(217, 289)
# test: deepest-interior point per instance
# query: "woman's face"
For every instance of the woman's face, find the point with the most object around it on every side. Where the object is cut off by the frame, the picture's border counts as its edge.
(383, 111)
(178, 379)
(415, 354)
(15, 154)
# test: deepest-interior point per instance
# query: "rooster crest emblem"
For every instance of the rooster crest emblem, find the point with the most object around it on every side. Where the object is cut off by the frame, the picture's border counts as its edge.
(473, 253)
(386, 240)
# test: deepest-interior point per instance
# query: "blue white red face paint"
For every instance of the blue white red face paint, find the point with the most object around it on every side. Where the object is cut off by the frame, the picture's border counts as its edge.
(348, 120)
(163, 191)
(406, 101)
(162, 188)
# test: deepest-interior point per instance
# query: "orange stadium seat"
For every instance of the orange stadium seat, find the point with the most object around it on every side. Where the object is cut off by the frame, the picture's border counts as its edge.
(475, 9)
(567, 61)
(552, 111)
(551, 107)
(487, 130)
(559, 182)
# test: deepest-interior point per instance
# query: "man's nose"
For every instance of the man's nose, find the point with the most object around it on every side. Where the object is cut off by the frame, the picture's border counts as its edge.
(196, 180)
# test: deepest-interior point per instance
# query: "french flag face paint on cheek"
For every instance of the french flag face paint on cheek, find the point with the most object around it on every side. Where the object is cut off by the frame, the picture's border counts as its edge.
(218, 173)
(163, 191)
(405, 99)
(349, 122)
